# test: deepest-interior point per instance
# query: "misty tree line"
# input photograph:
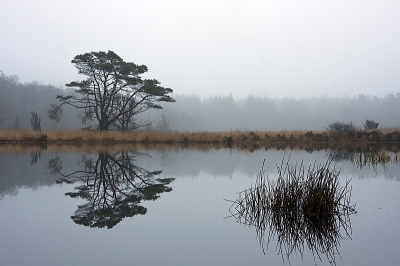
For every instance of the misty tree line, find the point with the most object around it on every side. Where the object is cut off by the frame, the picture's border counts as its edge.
(218, 113)
(18, 101)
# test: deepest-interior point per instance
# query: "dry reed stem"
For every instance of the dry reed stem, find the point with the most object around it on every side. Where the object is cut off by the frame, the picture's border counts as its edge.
(301, 208)
(248, 141)
(29, 136)
(139, 136)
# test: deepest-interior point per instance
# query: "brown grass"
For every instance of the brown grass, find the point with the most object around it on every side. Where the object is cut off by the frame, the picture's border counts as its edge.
(29, 136)
(245, 140)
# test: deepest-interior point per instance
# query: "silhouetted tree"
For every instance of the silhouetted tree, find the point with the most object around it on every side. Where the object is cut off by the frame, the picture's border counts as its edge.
(113, 93)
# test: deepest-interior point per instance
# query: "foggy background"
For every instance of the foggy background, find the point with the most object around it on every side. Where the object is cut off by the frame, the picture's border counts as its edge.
(301, 49)
(216, 113)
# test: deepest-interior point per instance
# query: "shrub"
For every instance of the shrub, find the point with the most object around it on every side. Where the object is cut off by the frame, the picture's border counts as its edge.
(341, 128)
(35, 121)
(371, 124)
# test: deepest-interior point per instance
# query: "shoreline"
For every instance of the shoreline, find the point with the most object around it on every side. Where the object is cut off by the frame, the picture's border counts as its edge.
(243, 140)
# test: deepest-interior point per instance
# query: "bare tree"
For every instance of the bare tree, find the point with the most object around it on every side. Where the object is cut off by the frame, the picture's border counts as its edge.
(163, 125)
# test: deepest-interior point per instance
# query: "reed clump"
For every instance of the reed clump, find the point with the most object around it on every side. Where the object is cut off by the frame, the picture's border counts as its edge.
(302, 208)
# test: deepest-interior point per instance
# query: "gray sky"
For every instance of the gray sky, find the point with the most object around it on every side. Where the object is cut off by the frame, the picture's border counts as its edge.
(261, 48)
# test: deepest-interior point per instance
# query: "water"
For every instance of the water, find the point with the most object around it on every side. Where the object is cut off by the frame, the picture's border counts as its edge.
(184, 226)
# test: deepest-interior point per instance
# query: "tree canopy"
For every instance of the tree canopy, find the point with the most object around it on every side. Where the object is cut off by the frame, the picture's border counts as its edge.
(113, 92)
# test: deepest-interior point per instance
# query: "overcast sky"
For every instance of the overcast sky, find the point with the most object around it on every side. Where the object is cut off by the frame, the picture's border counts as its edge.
(261, 48)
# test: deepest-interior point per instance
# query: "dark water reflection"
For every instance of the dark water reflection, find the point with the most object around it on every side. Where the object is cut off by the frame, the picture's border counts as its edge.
(182, 227)
(113, 186)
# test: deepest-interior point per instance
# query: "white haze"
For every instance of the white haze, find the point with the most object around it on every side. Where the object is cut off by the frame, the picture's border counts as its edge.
(206, 48)
(191, 113)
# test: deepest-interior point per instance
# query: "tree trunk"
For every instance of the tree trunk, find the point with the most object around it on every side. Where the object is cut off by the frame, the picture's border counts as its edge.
(103, 124)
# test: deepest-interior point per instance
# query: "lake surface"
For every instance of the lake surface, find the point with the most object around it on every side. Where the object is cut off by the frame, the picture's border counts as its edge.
(63, 208)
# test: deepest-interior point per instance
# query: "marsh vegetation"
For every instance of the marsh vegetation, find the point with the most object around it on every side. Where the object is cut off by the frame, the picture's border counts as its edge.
(260, 137)
(304, 207)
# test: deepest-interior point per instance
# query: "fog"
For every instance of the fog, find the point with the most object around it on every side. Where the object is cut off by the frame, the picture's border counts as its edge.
(189, 113)
(217, 113)
(18, 100)
(300, 48)
(233, 65)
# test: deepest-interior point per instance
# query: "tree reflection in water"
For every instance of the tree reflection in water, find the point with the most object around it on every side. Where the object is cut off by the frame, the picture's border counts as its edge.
(303, 207)
(113, 186)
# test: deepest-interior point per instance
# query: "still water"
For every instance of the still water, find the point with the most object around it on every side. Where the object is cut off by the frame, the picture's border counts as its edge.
(168, 208)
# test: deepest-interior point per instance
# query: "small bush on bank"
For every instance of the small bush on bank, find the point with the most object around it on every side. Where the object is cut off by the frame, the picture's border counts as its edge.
(340, 128)
(370, 124)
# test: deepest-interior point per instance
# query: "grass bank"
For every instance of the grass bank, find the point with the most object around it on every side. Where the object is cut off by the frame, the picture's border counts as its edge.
(300, 139)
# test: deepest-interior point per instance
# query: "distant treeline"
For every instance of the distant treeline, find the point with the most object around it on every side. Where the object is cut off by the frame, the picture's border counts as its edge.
(18, 100)
(218, 113)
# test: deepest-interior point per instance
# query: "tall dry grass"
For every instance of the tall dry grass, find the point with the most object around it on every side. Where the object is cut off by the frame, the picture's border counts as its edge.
(304, 207)
(139, 136)
(11, 140)
(245, 140)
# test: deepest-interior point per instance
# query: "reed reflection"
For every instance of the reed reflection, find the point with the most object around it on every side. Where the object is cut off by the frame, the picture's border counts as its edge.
(37, 153)
(368, 158)
(304, 207)
(113, 185)
(35, 156)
